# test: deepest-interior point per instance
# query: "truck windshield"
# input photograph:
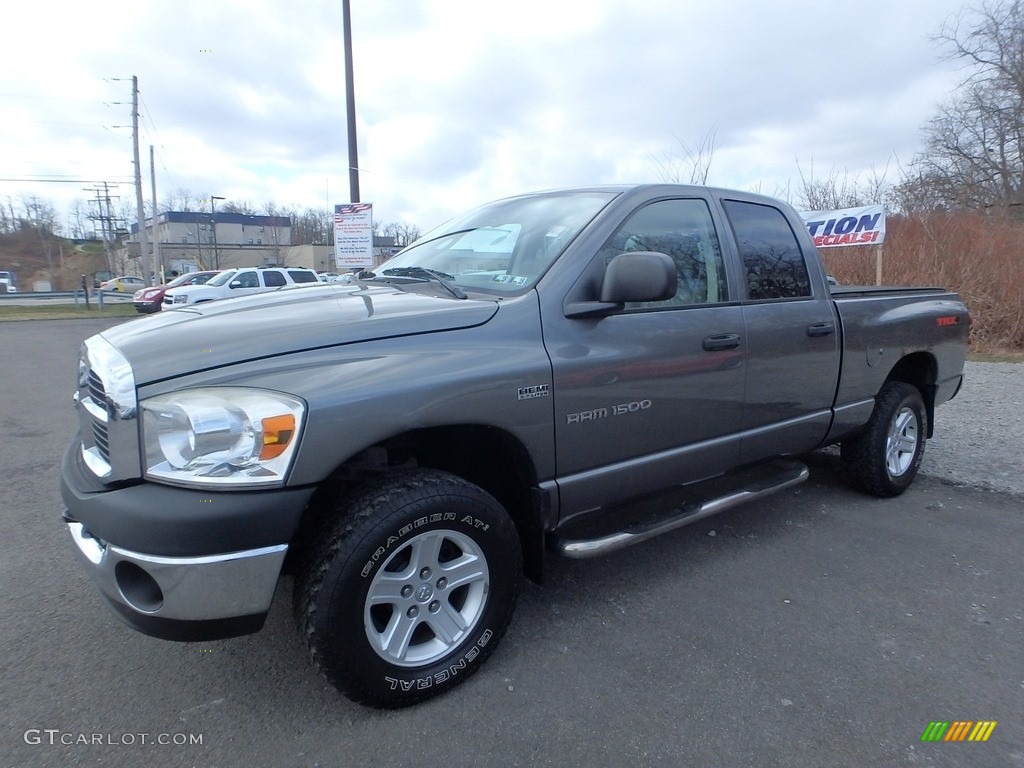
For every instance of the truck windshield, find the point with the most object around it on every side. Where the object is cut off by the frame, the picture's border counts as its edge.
(503, 247)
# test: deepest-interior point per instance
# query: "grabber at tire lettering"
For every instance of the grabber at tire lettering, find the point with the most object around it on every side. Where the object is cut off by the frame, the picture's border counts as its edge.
(408, 588)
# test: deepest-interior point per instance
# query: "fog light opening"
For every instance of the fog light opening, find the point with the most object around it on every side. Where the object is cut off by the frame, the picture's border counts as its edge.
(138, 588)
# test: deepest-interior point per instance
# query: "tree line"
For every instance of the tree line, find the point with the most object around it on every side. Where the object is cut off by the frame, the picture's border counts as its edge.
(87, 219)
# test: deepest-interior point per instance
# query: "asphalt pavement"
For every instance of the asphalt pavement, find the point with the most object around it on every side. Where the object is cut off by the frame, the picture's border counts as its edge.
(818, 627)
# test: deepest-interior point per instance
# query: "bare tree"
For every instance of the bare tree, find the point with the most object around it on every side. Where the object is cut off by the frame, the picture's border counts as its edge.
(78, 219)
(275, 235)
(313, 225)
(839, 190)
(38, 214)
(183, 199)
(974, 146)
(687, 164)
(239, 206)
(402, 232)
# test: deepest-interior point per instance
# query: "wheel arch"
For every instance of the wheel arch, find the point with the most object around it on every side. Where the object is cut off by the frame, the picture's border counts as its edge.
(489, 457)
(920, 370)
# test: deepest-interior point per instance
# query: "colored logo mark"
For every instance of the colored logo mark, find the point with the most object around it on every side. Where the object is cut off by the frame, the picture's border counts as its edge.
(959, 730)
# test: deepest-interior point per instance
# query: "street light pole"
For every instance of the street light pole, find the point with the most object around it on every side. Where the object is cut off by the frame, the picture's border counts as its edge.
(213, 226)
(350, 105)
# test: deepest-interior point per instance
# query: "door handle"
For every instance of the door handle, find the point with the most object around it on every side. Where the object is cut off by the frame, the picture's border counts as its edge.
(821, 329)
(721, 341)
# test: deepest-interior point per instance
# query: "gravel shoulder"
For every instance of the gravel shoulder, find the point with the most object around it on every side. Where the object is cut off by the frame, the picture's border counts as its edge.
(979, 435)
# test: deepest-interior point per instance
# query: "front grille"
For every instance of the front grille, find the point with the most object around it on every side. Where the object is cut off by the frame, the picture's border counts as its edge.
(100, 437)
(100, 433)
(96, 390)
(107, 411)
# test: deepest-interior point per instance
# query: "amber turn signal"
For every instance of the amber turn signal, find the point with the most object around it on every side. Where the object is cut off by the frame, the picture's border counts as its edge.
(277, 433)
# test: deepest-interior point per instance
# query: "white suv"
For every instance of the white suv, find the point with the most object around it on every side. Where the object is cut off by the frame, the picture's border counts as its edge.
(238, 282)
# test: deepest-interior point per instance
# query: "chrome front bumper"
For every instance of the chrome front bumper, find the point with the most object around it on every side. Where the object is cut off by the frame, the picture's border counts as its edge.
(172, 596)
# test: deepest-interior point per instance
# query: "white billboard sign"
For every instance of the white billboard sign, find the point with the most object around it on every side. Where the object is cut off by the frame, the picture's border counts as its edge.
(353, 235)
(848, 226)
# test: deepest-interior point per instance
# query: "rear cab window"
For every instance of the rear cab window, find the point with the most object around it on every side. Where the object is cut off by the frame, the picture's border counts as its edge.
(773, 264)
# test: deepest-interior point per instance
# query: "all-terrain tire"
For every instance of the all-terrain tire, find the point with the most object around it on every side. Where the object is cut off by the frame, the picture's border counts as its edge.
(408, 587)
(883, 458)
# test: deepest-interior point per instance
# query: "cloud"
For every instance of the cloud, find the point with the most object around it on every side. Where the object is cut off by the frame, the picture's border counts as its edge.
(458, 101)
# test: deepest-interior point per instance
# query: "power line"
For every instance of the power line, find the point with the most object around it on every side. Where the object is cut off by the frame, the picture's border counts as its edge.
(49, 98)
(147, 115)
(76, 180)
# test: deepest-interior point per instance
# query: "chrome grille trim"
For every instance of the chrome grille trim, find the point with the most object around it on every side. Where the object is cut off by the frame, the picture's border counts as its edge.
(107, 411)
(95, 385)
(102, 440)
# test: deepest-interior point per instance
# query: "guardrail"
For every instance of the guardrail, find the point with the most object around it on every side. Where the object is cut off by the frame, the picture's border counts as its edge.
(78, 296)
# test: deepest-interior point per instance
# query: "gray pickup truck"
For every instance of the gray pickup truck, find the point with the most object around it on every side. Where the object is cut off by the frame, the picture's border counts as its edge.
(571, 371)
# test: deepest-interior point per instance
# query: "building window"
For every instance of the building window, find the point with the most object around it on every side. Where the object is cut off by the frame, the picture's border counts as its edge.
(259, 241)
(184, 239)
(250, 241)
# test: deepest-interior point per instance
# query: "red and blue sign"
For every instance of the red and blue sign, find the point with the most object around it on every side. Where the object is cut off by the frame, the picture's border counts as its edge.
(848, 226)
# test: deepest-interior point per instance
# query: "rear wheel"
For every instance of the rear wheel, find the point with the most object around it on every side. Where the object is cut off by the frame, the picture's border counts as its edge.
(884, 457)
(408, 588)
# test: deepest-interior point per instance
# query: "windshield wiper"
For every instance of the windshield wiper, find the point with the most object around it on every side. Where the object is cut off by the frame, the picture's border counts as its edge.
(441, 278)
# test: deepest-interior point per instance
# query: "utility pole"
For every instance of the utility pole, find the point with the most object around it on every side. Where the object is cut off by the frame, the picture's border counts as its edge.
(350, 104)
(105, 220)
(143, 240)
(156, 211)
(213, 226)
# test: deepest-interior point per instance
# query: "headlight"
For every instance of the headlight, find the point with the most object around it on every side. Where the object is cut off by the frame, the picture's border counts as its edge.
(221, 436)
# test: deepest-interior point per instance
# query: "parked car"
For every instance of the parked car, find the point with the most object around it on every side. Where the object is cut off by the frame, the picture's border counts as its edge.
(152, 299)
(7, 282)
(123, 284)
(238, 282)
(519, 378)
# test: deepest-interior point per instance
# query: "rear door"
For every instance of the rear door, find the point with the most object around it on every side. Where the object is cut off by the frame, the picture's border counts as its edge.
(792, 335)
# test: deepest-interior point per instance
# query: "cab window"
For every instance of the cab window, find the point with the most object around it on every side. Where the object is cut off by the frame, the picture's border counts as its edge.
(772, 260)
(684, 231)
(247, 280)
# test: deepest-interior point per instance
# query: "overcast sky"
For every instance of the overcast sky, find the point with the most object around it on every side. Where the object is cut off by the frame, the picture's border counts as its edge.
(461, 102)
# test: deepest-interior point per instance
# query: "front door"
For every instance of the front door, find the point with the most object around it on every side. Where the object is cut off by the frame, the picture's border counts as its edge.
(650, 396)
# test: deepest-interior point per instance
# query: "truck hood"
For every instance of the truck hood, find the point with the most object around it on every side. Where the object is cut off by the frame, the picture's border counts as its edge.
(178, 341)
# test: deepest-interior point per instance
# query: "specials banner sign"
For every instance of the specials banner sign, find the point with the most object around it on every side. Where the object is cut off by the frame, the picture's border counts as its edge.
(850, 226)
(353, 235)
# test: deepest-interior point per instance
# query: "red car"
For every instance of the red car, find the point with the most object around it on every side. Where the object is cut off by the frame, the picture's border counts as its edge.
(151, 299)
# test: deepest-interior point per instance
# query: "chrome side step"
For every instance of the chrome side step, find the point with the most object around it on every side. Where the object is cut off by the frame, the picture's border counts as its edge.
(790, 473)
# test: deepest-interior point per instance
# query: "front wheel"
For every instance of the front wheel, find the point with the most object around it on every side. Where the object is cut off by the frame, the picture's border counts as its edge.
(408, 588)
(884, 457)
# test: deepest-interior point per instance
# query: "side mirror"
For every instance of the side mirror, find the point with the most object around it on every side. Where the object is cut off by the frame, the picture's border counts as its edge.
(639, 276)
(235, 284)
(634, 276)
